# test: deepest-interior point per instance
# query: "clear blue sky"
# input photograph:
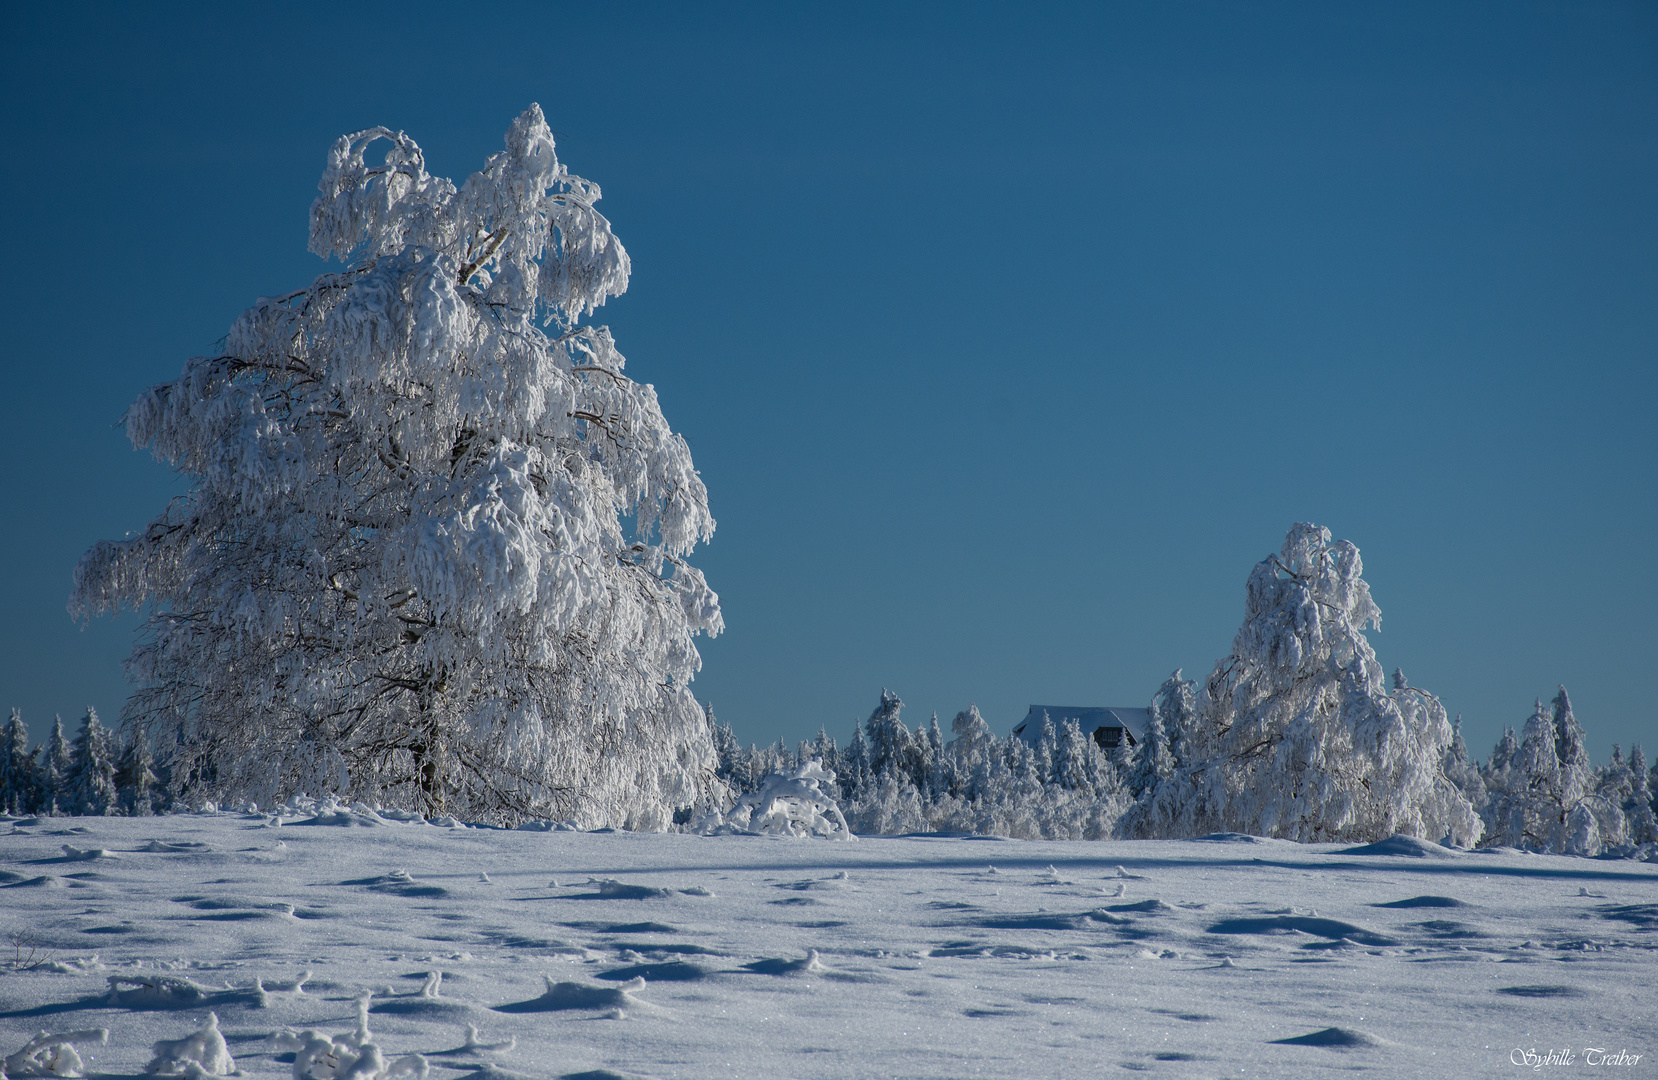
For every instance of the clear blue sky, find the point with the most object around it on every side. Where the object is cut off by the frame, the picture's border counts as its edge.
(1007, 338)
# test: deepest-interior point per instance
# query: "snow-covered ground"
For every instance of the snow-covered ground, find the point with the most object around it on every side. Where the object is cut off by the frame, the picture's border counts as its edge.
(668, 955)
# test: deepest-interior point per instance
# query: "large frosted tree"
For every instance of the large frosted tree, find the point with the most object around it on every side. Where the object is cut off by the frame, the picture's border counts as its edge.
(1296, 733)
(433, 551)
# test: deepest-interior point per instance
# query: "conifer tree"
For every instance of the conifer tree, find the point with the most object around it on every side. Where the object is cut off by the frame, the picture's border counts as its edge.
(90, 784)
(54, 771)
(1077, 760)
(135, 776)
(1638, 807)
(1173, 711)
(19, 771)
(1461, 770)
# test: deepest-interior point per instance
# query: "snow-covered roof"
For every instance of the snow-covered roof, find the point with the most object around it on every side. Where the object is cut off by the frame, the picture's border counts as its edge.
(1090, 717)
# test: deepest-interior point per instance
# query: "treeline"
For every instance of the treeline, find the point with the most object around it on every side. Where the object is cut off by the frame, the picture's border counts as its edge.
(1538, 791)
(891, 780)
(97, 773)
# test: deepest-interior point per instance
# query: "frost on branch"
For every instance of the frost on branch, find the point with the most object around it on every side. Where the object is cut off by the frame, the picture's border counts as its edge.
(433, 554)
(1295, 734)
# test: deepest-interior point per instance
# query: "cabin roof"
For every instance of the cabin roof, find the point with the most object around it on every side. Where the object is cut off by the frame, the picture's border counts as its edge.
(1088, 717)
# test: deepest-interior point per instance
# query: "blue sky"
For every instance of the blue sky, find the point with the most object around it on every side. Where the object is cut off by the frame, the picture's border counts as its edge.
(1007, 339)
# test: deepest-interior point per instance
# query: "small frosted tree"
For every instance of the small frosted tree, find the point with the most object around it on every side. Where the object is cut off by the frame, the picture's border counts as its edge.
(89, 788)
(136, 782)
(1296, 736)
(1643, 823)
(1173, 711)
(434, 549)
(55, 766)
(1461, 770)
(1545, 795)
(19, 771)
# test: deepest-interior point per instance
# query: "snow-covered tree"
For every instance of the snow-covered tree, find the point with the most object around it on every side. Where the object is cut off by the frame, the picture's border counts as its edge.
(89, 787)
(1638, 805)
(892, 746)
(1173, 712)
(55, 763)
(433, 552)
(137, 786)
(1078, 764)
(1545, 794)
(19, 771)
(1461, 770)
(1296, 736)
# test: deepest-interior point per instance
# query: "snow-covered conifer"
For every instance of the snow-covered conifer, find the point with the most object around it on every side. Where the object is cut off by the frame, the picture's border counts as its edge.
(1173, 711)
(1638, 806)
(939, 771)
(136, 782)
(1296, 736)
(434, 551)
(1077, 761)
(1461, 770)
(19, 771)
(1576, 771)
(1549, 797)
(55, 766)
(892, 746)
(89, 788)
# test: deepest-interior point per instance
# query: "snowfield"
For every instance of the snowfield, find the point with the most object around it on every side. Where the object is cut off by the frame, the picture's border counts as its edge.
(211, 942)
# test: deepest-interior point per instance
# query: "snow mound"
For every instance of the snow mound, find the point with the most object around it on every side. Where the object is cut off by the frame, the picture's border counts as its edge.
(808, 966)
(787, 804)
(1423, 901)
(1333, 929)
(427, 1000)
(331, 812)
(49, 1054)
(1336, 1038)
(71, 853)
(560, 996)
(202, 1053)
(1233, 838)
(1408, 846)
(176, 992)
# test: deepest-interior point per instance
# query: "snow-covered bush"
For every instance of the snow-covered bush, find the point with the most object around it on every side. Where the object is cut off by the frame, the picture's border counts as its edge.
(433, 552)
(1295, 735)
(787, 804)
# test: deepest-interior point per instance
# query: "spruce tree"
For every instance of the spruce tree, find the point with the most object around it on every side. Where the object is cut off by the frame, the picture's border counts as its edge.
(90, 784)
(54, 771)
(135, 776)
(1638, 808)
(19, 771)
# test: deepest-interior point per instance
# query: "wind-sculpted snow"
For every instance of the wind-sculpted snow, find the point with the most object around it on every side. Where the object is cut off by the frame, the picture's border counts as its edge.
(405, 950)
